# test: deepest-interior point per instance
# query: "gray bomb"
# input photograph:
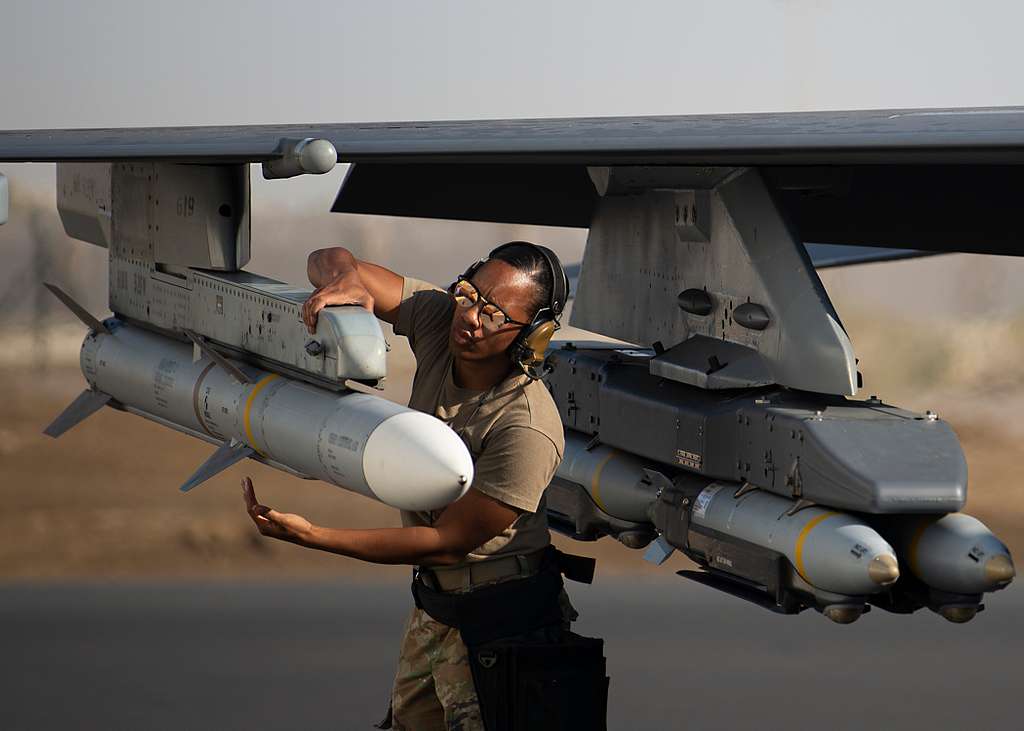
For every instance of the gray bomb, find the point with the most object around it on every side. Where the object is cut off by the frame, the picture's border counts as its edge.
(831, 552)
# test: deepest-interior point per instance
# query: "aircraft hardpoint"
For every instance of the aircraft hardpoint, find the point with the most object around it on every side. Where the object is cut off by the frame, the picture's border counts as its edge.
(728, 429)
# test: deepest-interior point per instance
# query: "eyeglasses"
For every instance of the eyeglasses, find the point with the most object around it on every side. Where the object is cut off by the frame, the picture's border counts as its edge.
(492, 317)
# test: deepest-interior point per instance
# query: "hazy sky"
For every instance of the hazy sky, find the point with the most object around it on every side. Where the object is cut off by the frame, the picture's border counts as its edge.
(105, 63)
(138, 62)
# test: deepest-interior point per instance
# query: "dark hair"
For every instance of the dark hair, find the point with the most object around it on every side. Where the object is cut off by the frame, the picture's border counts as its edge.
(526, 258)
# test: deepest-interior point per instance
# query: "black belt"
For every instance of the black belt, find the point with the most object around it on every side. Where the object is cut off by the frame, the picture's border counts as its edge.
(509, 608)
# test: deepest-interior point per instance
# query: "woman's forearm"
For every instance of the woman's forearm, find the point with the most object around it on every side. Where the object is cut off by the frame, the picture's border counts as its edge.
(414, 545)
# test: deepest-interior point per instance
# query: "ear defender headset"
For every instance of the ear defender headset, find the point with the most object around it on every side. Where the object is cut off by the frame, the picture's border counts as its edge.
(527, 350)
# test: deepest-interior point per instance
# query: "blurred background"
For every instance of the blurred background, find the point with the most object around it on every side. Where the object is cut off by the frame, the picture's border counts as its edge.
(944, 333)
(101, 553)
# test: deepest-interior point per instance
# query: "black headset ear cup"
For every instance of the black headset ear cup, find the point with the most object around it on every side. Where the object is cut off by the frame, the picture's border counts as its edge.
(538, 339)
(530, 348)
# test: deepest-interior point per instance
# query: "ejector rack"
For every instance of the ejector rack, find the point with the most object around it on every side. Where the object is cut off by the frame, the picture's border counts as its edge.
(788, 499)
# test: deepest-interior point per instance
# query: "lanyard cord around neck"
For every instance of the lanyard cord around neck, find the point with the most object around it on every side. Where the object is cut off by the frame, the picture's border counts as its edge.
(488, 395)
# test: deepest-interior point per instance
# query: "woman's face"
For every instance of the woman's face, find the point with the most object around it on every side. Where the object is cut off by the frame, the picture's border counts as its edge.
(505, 286)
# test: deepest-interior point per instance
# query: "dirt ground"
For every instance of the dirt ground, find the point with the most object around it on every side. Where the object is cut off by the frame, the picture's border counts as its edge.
(102, 501)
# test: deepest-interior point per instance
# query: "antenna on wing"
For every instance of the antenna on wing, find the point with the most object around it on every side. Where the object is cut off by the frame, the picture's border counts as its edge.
(301, 157)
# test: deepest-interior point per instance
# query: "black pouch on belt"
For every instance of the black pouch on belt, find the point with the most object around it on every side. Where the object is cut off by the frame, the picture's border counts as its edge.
(553, 684)
(528, 671)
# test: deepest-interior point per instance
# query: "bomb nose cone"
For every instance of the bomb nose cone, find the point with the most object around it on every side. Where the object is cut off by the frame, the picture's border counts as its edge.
(1000, 570)
(958, 614)
(412, 461)
(843, 613)
(884, 570)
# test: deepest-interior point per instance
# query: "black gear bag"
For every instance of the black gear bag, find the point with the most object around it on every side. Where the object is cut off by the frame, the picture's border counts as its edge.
(541, 685)
(530, 672)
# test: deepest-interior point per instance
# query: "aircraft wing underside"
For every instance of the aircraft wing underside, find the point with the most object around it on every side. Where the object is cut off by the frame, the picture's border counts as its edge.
(827, 256)
(932, 179)
(823, 256)
(993, 135)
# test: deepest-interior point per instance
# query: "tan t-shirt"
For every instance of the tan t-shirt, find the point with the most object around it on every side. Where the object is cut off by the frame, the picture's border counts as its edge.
(512, 431)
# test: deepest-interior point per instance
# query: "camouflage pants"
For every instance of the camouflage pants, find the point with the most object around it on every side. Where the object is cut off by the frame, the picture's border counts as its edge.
(434, 684)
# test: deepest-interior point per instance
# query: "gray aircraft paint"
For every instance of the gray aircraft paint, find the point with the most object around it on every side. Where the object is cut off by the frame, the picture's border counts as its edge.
(864, 456)
(956, 158)
(167, 236)
(729, 241)
(803, 138)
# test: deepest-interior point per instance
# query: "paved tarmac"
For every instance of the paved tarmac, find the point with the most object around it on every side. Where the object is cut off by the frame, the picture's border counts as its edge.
(207, 655)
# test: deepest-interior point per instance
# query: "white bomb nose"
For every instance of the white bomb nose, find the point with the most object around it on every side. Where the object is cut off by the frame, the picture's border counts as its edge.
(415, 462)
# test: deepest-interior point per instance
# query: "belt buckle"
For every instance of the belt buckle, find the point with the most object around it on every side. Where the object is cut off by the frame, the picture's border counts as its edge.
(426, 577)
